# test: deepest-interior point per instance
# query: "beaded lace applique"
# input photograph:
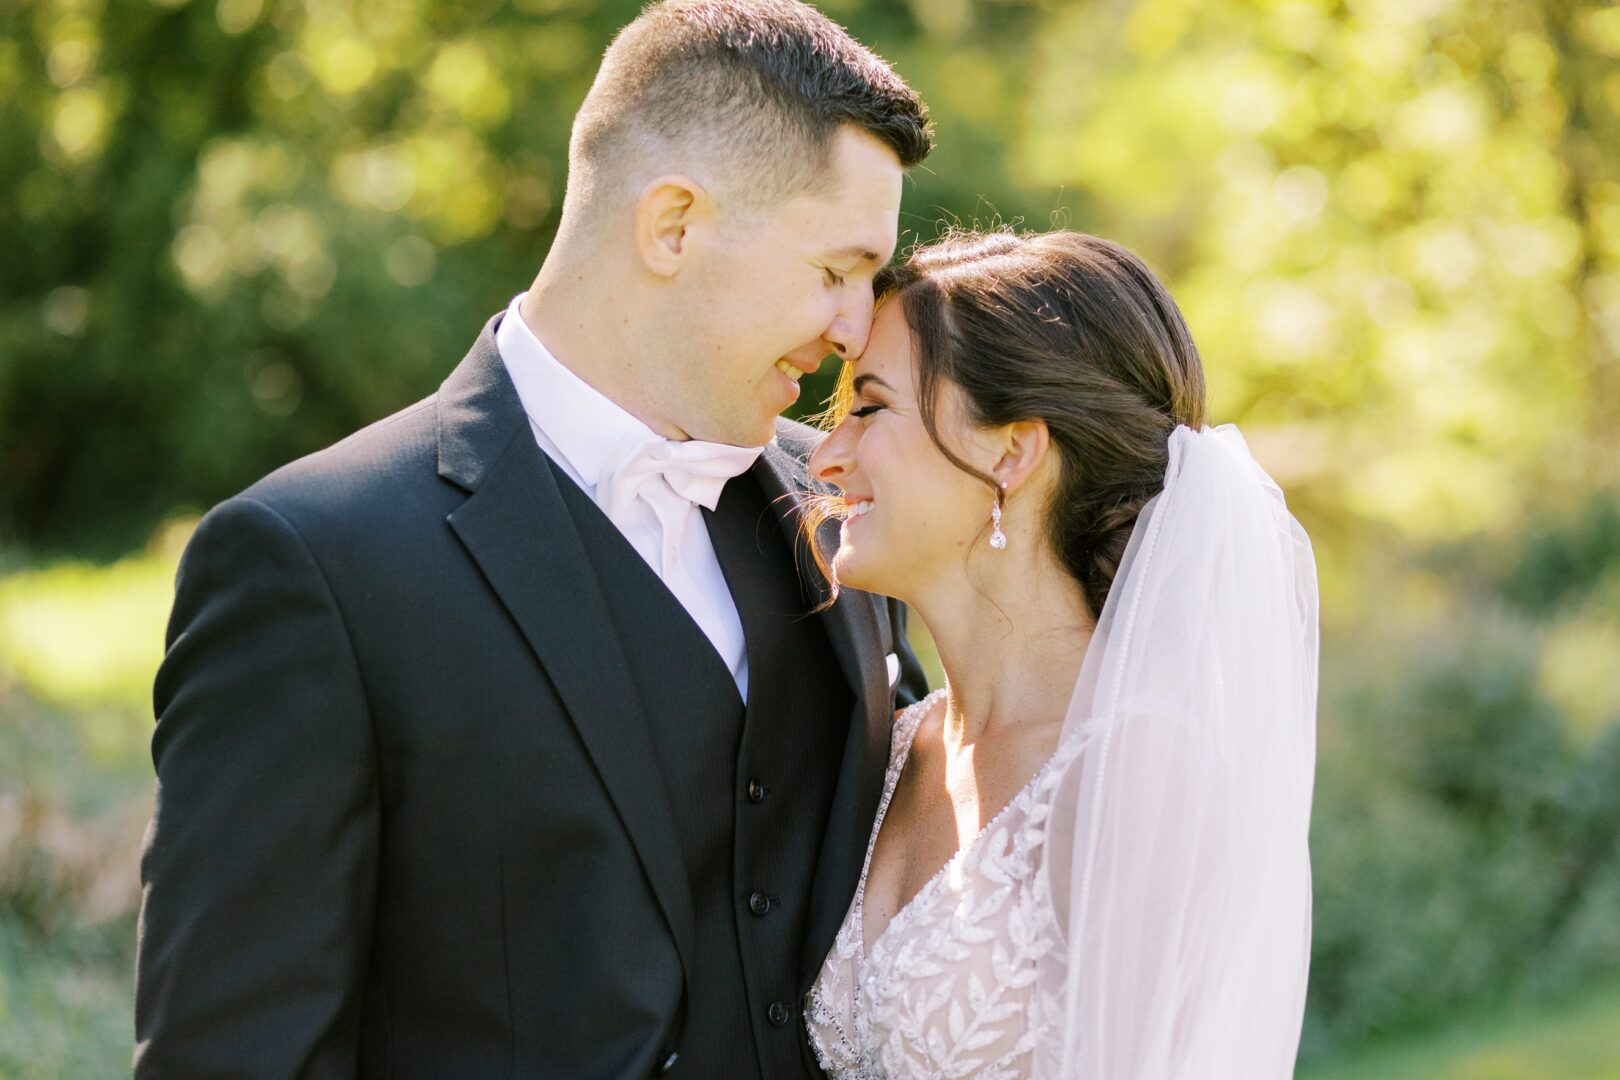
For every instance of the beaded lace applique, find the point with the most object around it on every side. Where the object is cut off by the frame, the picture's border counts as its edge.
(949, 989)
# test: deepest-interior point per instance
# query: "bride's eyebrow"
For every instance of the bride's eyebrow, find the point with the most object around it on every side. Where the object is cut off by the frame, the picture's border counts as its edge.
(862, 381)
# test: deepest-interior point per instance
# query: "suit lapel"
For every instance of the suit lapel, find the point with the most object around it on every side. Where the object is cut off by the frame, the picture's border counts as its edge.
(851, 622)
(519, 532)
(852, 628)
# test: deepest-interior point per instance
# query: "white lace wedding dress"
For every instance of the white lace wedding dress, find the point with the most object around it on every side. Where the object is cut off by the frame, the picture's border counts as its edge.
(958, 984)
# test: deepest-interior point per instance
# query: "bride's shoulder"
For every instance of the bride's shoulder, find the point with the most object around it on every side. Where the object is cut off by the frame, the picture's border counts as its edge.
(916, 709)
(908, 719)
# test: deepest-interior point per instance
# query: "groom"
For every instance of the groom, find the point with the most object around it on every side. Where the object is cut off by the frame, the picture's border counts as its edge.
(504, 738)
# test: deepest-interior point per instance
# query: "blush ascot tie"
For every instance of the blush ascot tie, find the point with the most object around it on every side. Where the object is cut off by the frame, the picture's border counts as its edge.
(673, 479)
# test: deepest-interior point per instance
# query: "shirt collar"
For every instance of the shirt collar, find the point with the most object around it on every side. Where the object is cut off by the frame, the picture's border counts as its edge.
(587, 427)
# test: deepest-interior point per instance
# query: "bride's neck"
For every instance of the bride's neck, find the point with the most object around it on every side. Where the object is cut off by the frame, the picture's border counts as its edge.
(1011, 641)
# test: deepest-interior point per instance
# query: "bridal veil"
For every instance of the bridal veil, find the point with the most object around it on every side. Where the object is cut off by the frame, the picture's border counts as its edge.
(1179, 859)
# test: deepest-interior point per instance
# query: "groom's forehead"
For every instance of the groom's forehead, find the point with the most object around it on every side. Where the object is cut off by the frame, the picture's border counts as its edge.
(850, 231)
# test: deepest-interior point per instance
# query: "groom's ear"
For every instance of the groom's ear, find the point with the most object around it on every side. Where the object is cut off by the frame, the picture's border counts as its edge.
(1023, 447)
(667, 212)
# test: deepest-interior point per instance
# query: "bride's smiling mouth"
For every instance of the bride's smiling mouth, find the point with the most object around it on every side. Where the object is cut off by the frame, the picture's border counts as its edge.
(858, 506)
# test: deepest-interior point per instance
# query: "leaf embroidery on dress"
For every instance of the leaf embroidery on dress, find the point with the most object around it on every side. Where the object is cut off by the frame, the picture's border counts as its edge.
(953, 986)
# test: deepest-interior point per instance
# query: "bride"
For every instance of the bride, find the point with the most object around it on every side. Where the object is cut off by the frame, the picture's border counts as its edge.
(1090, 858)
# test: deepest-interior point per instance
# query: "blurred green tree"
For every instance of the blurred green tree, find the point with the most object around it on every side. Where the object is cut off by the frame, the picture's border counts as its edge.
(238, 229)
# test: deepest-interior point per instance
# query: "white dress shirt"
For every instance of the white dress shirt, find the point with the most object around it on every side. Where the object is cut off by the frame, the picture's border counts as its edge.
(591, 438)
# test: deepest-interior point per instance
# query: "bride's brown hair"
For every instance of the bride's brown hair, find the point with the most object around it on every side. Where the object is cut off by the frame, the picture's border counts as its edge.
(1065, 328)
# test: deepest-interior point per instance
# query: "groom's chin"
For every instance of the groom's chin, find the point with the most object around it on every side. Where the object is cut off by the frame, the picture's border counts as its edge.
(753, 424)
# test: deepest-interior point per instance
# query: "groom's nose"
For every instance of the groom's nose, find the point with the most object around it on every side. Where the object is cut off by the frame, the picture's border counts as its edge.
(852, 326)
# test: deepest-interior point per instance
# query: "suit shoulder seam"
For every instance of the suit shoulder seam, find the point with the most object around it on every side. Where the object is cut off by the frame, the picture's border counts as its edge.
(326, 585)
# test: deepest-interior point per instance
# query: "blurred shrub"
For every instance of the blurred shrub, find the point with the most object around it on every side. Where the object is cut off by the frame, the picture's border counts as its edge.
(1567, 559)
(1467, 828)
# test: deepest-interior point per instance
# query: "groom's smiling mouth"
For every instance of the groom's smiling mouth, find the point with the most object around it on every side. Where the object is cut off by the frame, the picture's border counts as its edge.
(802, 361)
(792, 369)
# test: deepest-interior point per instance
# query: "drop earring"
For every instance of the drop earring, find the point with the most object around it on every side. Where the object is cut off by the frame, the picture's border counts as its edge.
(998, 539)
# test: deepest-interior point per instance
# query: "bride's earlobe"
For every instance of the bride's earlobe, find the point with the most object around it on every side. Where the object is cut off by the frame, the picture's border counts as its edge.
(1024, 446)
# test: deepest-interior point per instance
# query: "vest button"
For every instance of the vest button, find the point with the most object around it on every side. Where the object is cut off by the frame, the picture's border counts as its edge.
(756, 791)
(759, 903)
(668, 1063)
(777, 1014)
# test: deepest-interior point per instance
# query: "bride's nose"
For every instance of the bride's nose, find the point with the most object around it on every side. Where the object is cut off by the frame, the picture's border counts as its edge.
(833, 460)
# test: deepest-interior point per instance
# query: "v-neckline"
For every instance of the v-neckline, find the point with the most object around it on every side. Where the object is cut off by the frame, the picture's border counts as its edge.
(865, 952)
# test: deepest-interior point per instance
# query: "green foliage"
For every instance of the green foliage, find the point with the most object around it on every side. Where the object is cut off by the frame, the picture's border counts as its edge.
(1467, 724)
(238, 229)
(1568, 561)
(1388, 224)
(1466, 837)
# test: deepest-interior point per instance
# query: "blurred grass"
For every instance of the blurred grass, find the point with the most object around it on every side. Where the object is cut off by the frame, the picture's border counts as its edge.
(71, 822)
(78, 648)
(1577, 1039)
(66, 1006)
(86, 636)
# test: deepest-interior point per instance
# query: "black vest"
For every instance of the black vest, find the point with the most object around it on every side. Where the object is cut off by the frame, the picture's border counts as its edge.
(749, 788)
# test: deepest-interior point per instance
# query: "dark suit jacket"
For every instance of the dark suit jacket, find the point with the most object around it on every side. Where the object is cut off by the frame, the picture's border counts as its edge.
(386, 661)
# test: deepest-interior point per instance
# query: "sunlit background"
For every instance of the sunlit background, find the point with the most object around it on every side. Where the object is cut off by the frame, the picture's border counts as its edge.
(233, 231)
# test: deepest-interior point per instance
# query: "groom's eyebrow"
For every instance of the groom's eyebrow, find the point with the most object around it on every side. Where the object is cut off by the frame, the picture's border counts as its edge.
(857, 253)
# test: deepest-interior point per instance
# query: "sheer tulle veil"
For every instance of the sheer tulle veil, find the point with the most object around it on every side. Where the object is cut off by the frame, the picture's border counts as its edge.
(1178, 857)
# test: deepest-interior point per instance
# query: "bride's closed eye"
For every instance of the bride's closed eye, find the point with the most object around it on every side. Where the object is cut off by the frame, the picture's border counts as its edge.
(865, 410)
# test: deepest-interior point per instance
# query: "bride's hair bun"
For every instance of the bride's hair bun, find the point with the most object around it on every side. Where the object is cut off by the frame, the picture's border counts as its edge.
(1106, 545)
(1070, 329)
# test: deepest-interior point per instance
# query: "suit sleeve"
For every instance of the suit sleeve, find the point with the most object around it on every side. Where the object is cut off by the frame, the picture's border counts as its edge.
(913, 685)
(259, 871)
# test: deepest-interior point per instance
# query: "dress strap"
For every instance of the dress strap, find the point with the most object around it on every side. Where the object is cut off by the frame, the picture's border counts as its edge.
(908, 720)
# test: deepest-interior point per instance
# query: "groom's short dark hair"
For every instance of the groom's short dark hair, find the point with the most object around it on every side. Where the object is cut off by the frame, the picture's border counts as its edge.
(758, 88)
